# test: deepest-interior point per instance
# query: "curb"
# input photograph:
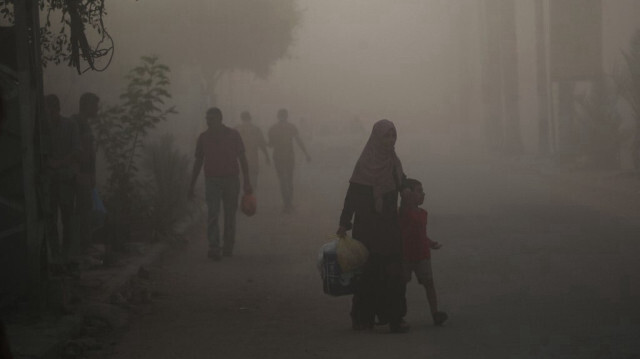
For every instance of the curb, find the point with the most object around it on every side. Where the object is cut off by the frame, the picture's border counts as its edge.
(45, 339)
(49, 337)
(131, 270)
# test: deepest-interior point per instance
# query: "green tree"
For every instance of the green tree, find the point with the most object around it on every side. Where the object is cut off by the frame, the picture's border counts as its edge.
(70, 28)
(220, 36)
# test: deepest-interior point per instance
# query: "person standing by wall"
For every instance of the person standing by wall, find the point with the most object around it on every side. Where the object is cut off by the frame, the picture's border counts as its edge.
(254, 141)
(86, 175)
(62, 161)
(221, 151)
(281, 137)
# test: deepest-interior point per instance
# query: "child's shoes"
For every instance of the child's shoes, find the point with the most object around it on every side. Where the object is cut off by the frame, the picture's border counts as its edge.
(356, 325)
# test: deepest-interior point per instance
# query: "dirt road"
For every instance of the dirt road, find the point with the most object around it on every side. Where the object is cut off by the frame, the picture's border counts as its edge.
(527, 270)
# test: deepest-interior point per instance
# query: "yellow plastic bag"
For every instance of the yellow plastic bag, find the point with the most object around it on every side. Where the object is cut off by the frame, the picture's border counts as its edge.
(351, 253)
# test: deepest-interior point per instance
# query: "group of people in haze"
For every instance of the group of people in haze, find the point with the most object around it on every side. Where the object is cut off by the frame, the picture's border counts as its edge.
(224, 153)
(395, 237)
(71, 166)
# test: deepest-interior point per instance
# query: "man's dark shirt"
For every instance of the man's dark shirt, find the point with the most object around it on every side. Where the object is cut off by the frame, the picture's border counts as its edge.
(220, 151)
(65, 140)
(281, 137)
(87, 162)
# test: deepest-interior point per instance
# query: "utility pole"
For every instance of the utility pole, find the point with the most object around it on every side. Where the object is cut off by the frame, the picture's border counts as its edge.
(511, 93)
(30, 95)
(542, 79)
(491, 80)
(575, 28)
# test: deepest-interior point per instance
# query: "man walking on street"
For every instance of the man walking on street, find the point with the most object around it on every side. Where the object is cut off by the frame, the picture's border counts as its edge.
(281, 137)
(253, 140)
(221, 151)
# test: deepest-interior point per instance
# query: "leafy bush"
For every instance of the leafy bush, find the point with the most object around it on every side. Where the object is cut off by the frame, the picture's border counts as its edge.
(169, 170)
(120, 133)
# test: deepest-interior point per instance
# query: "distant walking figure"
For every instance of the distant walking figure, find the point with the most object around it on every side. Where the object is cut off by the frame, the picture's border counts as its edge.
(281, 137)
(253, 140)
(221, 150)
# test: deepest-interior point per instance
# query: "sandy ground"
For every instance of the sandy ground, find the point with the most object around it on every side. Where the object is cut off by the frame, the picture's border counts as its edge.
(531, 267)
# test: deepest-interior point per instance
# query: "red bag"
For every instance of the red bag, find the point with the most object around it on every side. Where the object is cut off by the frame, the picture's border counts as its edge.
(248, 204)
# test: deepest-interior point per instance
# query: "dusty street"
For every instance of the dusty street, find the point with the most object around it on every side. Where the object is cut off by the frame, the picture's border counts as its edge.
(528, 269)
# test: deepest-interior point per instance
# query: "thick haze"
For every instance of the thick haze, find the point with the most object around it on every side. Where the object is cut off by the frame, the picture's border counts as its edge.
(539, 256)
(370, 59)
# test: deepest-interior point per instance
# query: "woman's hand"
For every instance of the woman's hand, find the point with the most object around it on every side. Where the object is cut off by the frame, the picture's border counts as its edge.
(247, 188)
(341, 232)
(435, 245)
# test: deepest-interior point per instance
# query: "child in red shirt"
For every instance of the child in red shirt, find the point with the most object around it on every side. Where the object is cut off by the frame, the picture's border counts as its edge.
(417, 245)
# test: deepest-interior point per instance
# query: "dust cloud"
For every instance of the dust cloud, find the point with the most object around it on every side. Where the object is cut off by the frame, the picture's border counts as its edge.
(524, 242)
